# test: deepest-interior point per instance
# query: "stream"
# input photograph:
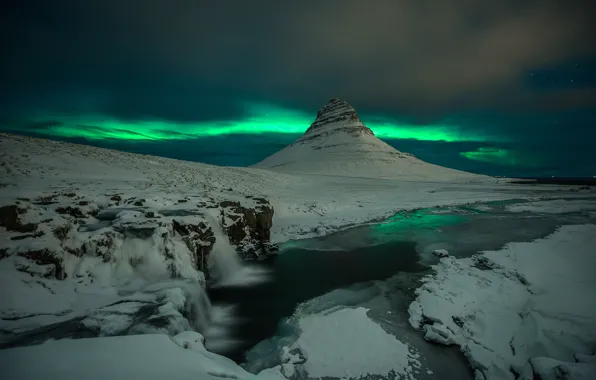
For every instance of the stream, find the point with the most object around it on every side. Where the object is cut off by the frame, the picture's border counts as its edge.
(362, 260)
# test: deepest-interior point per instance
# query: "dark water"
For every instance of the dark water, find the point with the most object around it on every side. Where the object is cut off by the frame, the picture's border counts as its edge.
(309, 268)
(302, 274)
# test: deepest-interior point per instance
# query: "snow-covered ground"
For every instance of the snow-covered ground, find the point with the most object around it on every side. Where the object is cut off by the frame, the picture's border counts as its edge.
(305, 204)
(182, 357)
(529, 306)
(101, 242)
(554, 206)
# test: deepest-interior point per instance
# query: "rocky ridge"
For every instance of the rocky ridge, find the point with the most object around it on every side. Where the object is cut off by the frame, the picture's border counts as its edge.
(335, 111)
(42, 234)
(336, 116)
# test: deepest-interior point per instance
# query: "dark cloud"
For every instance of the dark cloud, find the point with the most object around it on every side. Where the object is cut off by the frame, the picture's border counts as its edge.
(411, 56)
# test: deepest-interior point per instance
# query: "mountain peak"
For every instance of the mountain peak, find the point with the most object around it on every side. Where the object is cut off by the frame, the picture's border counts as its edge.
(335, 111)
(337, 143)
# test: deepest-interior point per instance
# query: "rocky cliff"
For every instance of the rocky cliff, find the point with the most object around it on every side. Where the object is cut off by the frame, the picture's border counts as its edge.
(47, 234)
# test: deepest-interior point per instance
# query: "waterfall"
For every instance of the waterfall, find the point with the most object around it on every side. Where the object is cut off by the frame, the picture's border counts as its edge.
(225, 265)
(198, 309)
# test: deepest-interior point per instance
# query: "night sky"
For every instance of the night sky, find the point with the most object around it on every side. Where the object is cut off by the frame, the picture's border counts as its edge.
(502, 87)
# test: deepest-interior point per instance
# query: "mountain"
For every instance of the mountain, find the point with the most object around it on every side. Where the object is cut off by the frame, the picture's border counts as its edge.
(338, 143)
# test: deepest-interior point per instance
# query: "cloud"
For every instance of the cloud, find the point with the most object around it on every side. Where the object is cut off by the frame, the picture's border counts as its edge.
(409, 56)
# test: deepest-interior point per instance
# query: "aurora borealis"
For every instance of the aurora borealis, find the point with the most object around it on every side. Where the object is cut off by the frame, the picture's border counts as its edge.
(260, 119)
(229, 85)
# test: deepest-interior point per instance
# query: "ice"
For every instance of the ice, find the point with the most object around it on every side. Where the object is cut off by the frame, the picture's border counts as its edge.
(347, 343)
(341, 342)
(504, 308)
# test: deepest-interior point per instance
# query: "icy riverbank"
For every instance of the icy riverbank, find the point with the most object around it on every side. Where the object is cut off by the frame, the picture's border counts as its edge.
(509, 309)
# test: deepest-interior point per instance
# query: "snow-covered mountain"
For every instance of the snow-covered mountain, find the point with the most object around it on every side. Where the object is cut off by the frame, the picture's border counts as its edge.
(338, 143)
(98, 244)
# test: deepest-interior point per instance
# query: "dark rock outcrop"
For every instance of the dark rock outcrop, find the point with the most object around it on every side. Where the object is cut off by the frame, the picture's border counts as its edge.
(334, 112)
(248, 228)
(72, 211)
(199, 239)
(9, 219)
(45, 257)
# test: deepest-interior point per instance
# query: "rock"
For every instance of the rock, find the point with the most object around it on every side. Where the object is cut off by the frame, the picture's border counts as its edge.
(199, 239)
(61, 231)
(72, 211)
(9, 219)
(334, 111)
(139, 202)
(102, 244)
(45, 257)
(441, 253)
(46, 200)
(248, 228)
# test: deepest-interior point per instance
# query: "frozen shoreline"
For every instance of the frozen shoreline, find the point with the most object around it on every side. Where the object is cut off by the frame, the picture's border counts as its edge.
(508, 309)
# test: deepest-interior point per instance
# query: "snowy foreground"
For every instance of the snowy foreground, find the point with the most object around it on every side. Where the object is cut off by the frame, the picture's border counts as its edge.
(97, 244)
(527, 308)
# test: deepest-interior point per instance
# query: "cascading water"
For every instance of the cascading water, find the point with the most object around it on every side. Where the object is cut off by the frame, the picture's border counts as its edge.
(225, 265)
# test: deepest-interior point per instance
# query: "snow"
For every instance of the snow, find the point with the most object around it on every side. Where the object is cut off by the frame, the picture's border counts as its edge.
(440, 252)
(346, 343)
(337, 149)
(337, 342)
(139, 357)
(550, 369)
(304, 204)
(505, 308)
(119, 260)
(554, 206)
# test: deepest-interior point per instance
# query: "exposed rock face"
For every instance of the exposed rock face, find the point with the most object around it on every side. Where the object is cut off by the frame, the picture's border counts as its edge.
(334, 112)
(199, 239)
(40, 237)
(48, 264)
(9, 219)
(248, 228)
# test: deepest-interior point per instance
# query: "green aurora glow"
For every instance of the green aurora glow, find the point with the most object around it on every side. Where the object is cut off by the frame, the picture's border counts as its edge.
(260, 119)
(424, 219)
(499, 156)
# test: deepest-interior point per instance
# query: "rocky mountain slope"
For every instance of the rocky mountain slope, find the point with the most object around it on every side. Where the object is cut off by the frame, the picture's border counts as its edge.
(338, 143)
